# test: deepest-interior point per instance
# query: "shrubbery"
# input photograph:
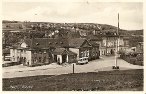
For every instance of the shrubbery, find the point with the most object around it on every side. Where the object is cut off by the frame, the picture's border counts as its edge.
(133, 58)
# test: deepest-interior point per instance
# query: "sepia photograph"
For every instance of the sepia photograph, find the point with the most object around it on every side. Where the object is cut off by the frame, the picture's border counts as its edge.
(72, 46)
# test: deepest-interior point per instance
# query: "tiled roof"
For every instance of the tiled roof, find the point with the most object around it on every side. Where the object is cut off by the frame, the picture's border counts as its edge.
(46, 42)
(61, 51)
(70, 52)
(94, 43)
(6, 51)
(76, 42)
(95, 37)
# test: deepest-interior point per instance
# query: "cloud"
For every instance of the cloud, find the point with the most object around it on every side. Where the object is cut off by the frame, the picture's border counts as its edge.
(95, 12)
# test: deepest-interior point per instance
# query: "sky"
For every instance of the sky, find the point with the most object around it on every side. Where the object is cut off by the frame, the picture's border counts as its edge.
(131, 13)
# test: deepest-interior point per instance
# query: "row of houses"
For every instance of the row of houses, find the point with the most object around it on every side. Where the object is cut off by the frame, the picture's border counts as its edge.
(47, 50)
(39, 51)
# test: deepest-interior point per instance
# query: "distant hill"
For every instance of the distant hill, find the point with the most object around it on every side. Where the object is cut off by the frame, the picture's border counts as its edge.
(7, 21)
(64, 30)
(136, 32)
(82, 27)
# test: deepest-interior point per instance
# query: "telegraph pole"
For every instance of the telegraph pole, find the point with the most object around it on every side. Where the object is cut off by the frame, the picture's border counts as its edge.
(117, 47)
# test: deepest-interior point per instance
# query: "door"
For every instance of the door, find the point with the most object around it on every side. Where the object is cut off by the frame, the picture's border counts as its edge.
(64, 57)
(112, 52)
(55, 58)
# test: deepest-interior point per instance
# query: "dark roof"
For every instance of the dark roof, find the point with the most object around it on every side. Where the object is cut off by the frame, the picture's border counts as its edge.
(76, 42)
(6, 51)
(70, 52)
(94, 43)
(61, 51)
(95, 37)
(46, 42)
(15, 45)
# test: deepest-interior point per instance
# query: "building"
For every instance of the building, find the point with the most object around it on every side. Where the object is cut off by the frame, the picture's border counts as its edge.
(81, 47)
(62, 55)
(6, 54)
(94, 51)
(107, 43)
(37, 51)
(40, 51)
(139, 47)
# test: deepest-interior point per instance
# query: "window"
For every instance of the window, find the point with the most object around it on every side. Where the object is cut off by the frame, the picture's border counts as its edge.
(82, 54)
(24, 59)
(13, 58)
(18, 58)
(35, 59)
(44, 59)
(39, 59)
(87, 54)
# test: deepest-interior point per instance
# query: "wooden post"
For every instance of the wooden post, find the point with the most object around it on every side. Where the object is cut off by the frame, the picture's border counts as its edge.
(73, 69)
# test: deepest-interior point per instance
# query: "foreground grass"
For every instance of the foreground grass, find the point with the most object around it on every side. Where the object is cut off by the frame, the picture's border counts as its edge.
(126, 80)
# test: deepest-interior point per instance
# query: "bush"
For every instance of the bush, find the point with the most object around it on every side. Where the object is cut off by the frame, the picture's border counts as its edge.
(133, 58)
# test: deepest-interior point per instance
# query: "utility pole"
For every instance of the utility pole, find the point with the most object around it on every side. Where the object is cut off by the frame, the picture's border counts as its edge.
(117, 45)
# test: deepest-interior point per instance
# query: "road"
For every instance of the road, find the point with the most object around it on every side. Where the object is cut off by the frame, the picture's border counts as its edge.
(103, 64)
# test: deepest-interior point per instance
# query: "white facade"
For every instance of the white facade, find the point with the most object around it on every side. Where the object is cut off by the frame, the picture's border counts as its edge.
(13, 55)
(23, 45)
(59, 57)
(108, 45)
(28, 57)
(18, 54)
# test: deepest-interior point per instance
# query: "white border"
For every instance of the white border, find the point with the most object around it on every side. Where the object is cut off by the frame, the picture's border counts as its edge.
(73, 92)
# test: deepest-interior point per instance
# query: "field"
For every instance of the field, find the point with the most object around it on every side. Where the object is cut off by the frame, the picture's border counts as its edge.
(125, 80)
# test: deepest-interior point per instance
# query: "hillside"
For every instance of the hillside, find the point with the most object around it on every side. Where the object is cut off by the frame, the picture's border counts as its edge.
(88, 27)
(62, 30)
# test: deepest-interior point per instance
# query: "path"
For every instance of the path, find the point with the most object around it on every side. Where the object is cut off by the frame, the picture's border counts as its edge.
(104, 64)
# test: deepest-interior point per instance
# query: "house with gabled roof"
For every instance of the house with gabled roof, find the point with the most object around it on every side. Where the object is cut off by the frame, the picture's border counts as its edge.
(81, 47)
(62, 55)
(36, 51)
(94, 51)
(40, 51)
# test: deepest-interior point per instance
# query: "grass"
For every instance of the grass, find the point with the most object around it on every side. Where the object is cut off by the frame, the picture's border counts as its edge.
(125, 80)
